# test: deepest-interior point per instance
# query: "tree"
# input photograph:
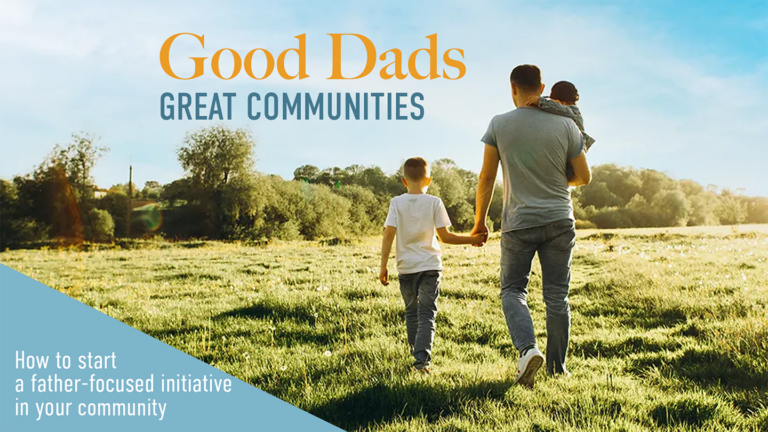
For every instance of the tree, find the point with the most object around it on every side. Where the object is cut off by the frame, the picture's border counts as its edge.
(367, 212)
(599, 195)
(49, 199)
(58, 195)
(152, 190)
(213, 157)
(757, 210)
(731, 210)
(307, 173)
(655, 182)
(671, 208)
(77, 160)
(102, 227)
(456, 188)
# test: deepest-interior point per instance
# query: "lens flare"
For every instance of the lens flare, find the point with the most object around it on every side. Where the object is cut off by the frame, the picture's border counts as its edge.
(149, 216)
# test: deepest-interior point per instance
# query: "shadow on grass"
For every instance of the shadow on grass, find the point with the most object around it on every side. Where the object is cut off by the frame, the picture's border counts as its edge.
(272, 310)
(684, 411)
(622, 348)
(705, 367)
(189, 275)
(468, 293)
(647, 317)
(382, 403)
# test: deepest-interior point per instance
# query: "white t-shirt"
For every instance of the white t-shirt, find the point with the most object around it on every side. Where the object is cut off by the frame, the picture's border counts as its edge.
(416, 217)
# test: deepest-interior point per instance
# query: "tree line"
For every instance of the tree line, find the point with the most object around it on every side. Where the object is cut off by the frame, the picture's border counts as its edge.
(222, 196)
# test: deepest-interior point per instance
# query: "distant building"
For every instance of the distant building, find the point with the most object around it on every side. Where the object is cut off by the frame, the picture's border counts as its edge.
(99, 193)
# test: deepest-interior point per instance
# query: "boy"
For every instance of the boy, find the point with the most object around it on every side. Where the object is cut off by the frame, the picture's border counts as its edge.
(562, 101)
(413, 217)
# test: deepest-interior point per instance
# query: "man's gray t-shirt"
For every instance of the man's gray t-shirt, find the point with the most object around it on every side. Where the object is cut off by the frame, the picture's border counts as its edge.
(534, 147)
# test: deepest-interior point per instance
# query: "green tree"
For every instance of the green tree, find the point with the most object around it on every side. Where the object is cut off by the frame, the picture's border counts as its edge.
(730, 210)
(757, 210)
(456, 188)
(77, 159)
(367, 212)
(152, 190)
(212, 157)
(59, 193)
(307, 173)
(671, 208)
(102, 227)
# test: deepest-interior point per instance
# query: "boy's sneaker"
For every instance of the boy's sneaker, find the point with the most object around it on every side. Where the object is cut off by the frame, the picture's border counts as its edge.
(527, 367)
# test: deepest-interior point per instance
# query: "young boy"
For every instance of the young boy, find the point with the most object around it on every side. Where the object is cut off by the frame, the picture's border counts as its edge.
(413, 217)
(562, 101)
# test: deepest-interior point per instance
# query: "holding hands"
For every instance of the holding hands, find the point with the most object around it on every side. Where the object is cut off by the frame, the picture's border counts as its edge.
(479, 234)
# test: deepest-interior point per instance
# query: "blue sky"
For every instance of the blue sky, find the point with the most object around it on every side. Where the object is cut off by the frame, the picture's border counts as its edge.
(678, 86)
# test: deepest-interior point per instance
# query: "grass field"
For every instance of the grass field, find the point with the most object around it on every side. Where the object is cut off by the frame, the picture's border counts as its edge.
(670, 331)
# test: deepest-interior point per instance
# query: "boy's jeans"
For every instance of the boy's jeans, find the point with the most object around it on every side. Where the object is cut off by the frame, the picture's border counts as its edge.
(554, 243)
(420, 292)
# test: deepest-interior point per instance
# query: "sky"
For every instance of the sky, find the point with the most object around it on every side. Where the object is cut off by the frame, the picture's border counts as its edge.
(676, 86)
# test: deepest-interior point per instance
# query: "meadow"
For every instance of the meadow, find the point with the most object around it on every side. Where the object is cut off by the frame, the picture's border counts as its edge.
(670, 328)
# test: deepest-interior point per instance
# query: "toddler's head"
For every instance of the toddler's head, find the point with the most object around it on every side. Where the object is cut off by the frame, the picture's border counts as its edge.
(564, 92)
(416, 174)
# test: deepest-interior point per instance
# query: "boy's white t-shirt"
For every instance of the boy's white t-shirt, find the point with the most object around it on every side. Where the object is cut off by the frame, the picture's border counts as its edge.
(416, 217)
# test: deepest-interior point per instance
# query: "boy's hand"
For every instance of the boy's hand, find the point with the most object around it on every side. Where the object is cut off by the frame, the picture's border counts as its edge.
(482, 231)
(384, 276)
(479, 238)
(533, 100)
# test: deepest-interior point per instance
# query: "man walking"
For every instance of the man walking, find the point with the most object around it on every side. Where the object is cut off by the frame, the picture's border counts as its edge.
(533, 147)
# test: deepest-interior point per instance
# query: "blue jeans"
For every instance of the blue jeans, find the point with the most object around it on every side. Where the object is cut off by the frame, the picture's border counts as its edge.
(420, 292)
(554, 243)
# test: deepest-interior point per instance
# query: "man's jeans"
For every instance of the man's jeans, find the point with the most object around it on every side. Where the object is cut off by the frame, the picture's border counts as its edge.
(420, 292)
(554, 243)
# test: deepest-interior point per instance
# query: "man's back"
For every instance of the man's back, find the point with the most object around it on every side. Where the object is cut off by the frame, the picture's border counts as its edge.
(534, 147)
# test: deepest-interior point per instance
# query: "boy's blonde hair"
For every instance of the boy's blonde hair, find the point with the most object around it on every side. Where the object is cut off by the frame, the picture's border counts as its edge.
(416, 168)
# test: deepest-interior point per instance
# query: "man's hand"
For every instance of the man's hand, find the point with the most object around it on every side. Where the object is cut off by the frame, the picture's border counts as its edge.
(384, 276)
(479, 239)
(532, 100)
(481, 231)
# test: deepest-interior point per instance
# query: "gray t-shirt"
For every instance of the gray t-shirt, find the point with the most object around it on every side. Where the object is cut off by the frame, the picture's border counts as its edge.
(534, 147)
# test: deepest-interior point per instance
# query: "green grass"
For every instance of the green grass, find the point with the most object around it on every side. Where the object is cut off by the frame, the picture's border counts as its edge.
(670, 331)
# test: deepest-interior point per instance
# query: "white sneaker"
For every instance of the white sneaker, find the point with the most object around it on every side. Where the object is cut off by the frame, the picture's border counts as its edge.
(527, 367)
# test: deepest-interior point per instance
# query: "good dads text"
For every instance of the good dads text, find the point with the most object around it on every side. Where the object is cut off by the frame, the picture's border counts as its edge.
(260, 63)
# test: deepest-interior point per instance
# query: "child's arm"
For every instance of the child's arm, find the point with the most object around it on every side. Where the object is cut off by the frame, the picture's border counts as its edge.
(450, 238)
(553, 107)
(386, 248)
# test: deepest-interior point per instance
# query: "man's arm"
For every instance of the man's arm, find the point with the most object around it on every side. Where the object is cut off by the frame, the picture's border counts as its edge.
(485, 184)
(448, 237)
(581, 172)
(386, 249)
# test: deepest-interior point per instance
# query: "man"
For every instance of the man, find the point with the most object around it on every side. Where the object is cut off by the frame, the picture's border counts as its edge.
(533, 147)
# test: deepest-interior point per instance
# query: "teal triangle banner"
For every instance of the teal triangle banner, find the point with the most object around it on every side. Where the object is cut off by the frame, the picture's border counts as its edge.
(65, 366)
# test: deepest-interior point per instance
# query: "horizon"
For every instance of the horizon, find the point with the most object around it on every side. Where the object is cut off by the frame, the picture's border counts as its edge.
(657, 92)
(290, 177)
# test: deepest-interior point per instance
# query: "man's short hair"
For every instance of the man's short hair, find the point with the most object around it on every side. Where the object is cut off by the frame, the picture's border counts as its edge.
(527, 77)
(416, 168)
(564, 91)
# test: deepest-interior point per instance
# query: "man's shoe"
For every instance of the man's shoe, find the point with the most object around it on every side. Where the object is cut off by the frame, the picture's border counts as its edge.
(527, 367)
(421, 367)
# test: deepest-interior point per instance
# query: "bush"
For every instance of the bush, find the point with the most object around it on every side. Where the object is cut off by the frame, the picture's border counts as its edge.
(366, 211)
(100, 226)
(288, 231)
(584, 224)
(612, 217)
(314, 210)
